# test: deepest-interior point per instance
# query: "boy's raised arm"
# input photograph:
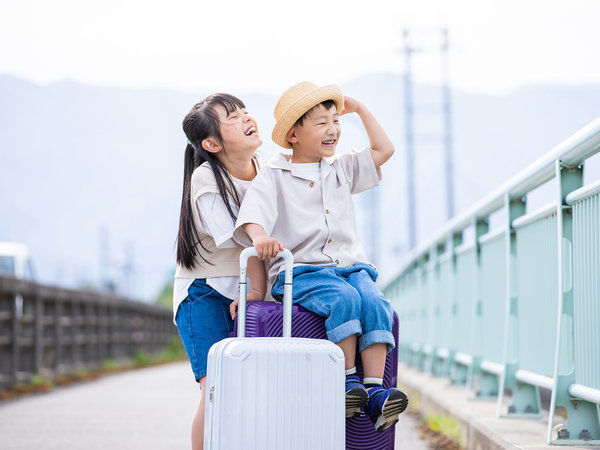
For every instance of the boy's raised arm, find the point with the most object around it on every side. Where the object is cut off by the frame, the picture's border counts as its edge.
(266, 247)
(382, 148)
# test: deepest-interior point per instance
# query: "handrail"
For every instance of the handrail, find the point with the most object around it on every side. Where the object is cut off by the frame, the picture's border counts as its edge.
(571, 152)
(461, 297)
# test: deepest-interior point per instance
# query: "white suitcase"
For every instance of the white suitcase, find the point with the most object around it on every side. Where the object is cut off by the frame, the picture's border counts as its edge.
(279, 393)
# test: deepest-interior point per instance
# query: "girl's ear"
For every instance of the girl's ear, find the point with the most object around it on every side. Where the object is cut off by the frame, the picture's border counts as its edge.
(291, 136)
(211, 145)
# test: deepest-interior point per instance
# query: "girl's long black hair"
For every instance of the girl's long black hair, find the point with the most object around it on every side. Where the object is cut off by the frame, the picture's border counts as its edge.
(200, 123)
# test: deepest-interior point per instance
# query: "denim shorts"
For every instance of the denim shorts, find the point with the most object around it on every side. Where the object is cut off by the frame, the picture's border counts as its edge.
(202, 319)
(347, 297)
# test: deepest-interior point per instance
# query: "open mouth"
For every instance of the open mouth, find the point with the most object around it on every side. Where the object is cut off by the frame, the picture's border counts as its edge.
(250, 131)
(329, 142)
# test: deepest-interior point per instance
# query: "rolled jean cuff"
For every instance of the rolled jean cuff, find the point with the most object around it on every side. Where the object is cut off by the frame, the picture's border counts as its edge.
(377, 337)
(344, 330)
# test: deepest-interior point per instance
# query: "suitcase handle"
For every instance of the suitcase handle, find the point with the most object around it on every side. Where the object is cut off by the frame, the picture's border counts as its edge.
(287, 291)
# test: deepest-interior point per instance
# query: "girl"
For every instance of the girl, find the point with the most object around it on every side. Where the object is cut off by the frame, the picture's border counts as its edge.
(218, 168)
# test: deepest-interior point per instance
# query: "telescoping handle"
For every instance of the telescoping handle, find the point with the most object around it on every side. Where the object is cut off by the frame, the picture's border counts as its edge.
(287, 291)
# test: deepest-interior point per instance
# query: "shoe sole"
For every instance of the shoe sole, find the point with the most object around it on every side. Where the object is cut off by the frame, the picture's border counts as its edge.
(393, 406)
(356, 399)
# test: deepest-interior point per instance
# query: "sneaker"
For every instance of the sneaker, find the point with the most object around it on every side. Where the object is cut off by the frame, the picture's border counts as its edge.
(385, 405)
(356, 396)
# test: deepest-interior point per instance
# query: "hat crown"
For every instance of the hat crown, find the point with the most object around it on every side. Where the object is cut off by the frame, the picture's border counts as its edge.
(296, 101)
(293, 95)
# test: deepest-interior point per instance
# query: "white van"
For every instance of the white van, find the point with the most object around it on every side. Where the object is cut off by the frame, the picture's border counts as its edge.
(15, 260)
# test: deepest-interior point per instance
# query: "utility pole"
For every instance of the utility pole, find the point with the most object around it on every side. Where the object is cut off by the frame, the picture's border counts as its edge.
(410, 151)
(374, 223)
(448, 153)
(409, 111)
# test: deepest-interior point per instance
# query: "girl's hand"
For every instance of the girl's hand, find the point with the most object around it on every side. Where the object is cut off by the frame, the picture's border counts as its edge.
(267, 247)
(250, 297)
(351, 105)
(233, 308)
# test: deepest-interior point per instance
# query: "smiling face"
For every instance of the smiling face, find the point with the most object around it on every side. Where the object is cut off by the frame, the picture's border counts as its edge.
(317, 136)
(239, 132)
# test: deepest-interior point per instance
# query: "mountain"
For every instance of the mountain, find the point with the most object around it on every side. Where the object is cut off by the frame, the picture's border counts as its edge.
(90, 177)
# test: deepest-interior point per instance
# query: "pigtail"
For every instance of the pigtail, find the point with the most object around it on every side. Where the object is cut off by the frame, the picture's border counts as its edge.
(202, 122)
(187, 237)
(225, 185)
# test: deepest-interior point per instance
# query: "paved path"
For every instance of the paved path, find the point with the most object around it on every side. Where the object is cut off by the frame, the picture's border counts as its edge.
(144, 409)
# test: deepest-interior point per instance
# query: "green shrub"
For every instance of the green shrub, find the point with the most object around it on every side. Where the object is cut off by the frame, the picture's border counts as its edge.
(141, 358)
(446, 425)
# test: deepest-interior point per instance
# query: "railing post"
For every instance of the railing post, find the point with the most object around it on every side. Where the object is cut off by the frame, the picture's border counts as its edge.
(481, 227)
(58, 344)
(525, 398)
(422, 273)
(582, 417)
(444, 363)
(38, 327)
(16, 348)
(433, 311)
(75, 345)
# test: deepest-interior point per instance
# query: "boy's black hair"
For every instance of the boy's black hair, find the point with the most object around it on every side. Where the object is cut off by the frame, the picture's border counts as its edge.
(327, 104)
(200, 123)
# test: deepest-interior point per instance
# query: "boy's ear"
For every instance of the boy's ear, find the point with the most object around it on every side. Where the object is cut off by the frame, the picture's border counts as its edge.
(211, 145)
(291, 136)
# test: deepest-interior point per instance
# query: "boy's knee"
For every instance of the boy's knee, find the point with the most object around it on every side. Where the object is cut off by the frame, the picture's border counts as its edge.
(351, 300)
(378, 305)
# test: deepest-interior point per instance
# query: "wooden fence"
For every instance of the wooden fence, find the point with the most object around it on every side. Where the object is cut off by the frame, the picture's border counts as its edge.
(51, 331)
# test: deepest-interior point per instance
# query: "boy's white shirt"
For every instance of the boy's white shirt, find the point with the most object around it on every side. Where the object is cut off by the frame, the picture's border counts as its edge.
(316, 224)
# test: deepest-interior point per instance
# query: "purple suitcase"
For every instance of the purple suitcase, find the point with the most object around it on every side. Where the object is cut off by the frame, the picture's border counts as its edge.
(265, 319)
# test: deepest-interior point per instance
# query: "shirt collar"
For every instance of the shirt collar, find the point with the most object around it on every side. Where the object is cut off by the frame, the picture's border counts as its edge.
(282, 161)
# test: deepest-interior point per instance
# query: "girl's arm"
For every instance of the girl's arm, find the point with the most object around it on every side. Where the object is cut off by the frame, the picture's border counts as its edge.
(258, 278)
(258, 281)
(382, 148)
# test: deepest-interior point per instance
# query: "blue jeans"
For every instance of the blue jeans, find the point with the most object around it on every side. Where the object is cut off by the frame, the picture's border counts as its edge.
(347, 297)
(202, 319)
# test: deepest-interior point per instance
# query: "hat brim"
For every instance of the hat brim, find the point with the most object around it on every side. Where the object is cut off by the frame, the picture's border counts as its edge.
(303, 104)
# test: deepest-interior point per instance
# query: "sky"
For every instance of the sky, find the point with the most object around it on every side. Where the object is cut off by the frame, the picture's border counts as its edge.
(265, 46)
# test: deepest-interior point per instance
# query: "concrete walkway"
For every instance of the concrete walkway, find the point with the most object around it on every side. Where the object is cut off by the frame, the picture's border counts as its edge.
(144, 409)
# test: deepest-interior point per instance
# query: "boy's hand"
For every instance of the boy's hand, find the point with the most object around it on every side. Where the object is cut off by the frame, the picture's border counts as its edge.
(380, 144)
(266, 247)
(351, 105)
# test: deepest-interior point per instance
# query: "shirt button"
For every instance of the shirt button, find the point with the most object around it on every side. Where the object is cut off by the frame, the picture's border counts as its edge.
(337, 261)
(326, 211)
(329, 241)
(311, 184)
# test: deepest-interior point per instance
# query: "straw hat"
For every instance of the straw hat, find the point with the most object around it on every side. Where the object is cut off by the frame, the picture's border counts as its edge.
(298, 99)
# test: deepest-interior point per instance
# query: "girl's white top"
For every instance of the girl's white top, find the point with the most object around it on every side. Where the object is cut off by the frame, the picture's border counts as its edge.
(217, 223)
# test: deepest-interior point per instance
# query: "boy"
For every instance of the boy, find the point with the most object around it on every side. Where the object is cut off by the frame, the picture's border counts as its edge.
(303, 201)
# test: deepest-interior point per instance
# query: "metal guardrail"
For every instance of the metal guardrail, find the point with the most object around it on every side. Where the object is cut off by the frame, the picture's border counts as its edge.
(509, 311)
(50, 331)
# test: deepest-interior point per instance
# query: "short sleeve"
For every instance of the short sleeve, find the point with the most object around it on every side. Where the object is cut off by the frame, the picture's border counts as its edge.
(259, 206)
(216, 219)
(360, 170)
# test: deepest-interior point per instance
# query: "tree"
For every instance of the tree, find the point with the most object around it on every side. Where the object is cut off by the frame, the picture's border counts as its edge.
(165, 297)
